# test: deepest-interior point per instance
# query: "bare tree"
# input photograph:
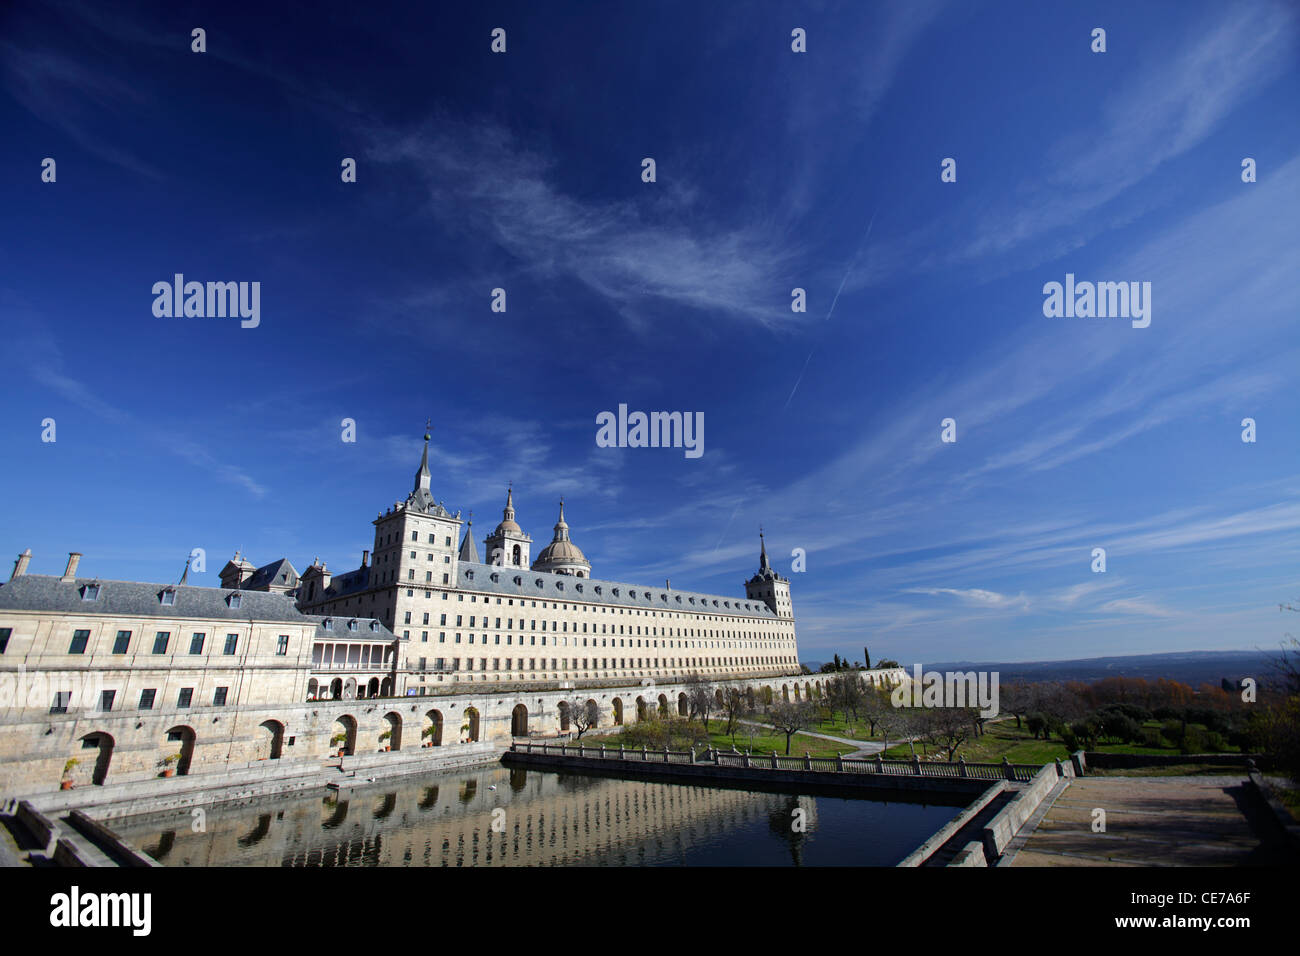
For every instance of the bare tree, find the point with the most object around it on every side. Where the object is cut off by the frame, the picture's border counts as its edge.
(735, 705)
(950, 727)
(701, 697)
(583, 714)
(789, 717)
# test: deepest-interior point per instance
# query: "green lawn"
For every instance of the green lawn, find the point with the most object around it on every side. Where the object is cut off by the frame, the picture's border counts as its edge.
(1003, 739)
(764, 741)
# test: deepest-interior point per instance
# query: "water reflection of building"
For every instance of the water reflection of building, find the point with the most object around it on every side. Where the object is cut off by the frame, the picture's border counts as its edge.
(493, 817)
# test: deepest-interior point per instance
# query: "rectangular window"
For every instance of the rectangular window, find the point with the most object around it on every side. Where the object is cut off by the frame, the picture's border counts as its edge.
(5, 632)
(61, 699)
(79, 641)
(196, 644)
(160, 641)
(219, 697)
(232, 640)
(106, 700)
(146, 698)
(122, 642)
(282, 645)
(186, 695)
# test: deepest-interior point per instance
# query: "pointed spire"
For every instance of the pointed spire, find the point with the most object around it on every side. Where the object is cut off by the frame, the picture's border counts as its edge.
(422, 476)
(561, 526)
(509, 513)
(762, 545)
(468, 550)
(186, 573)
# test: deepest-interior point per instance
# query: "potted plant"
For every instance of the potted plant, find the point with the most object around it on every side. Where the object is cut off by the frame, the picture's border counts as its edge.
(386, 735)
(66, 782)
(464, 733)
(429, 732)
(340, 741)
(166, 764)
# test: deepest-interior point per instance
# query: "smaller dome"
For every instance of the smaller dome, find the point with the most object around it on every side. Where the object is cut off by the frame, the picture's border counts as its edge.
(508, 524)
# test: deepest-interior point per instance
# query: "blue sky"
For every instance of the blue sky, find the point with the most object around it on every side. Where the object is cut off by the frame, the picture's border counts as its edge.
(775, 170)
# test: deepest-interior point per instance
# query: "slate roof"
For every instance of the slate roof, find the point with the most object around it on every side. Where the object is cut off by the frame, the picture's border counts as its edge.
(280, 573)
(42, 592)
(368, 629)
(565, 587)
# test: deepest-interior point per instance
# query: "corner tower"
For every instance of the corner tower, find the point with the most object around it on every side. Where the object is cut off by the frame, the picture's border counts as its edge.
(768, 586)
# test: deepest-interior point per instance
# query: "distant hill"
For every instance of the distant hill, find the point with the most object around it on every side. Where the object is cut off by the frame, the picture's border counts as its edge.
(1189, 667)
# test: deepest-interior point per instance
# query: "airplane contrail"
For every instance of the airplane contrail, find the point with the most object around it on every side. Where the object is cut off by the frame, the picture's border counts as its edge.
(849, 271)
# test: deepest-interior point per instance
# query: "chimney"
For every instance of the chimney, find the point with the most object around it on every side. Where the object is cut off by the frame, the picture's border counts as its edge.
(365, 559)
(70, 575)
(20, 566)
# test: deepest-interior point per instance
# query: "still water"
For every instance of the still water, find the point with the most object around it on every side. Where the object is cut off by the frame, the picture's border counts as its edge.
(498, 816)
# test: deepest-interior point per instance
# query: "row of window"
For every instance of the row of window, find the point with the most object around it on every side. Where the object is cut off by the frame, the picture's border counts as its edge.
(107, 698)
(596, 663)
(161, 641)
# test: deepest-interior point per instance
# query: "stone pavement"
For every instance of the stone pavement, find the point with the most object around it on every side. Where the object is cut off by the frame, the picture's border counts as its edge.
(1155, 821)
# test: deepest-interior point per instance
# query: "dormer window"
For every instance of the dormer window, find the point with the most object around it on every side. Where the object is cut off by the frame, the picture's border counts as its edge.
(597, 588)
(577, 587)
(374, 625)
(615, 590)
(168, 596)
(679, 599)
(559, 585)
(519, 580)
(90, 592)
(538, 582)
(327, 624)
(235, 600)
(352, 625)
(631, 594)
(495, 577)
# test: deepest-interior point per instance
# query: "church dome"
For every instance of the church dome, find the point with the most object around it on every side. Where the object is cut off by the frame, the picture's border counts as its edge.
(562, 556)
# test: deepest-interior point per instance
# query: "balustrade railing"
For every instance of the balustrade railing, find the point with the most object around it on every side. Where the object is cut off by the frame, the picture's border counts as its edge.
(1020, 773)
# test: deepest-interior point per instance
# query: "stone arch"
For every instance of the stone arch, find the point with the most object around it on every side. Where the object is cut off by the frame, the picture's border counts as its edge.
(751, 698)
(663, 705)
(372, 688)
(796, 692)
(271, 743)
(593, 711)
(179, 742)
(350, 689)
(393, 722)
(336, 689)
(516, 555)
(683, 706)
(767, 695)
(343, 734)
(471, 726)
(386, 687)
(564, 716)
(617, 706)
(97, 751)
(718, 699)
(432, 730)
(519, 721)
(785, 692)
(640, 708)
(313, 688)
